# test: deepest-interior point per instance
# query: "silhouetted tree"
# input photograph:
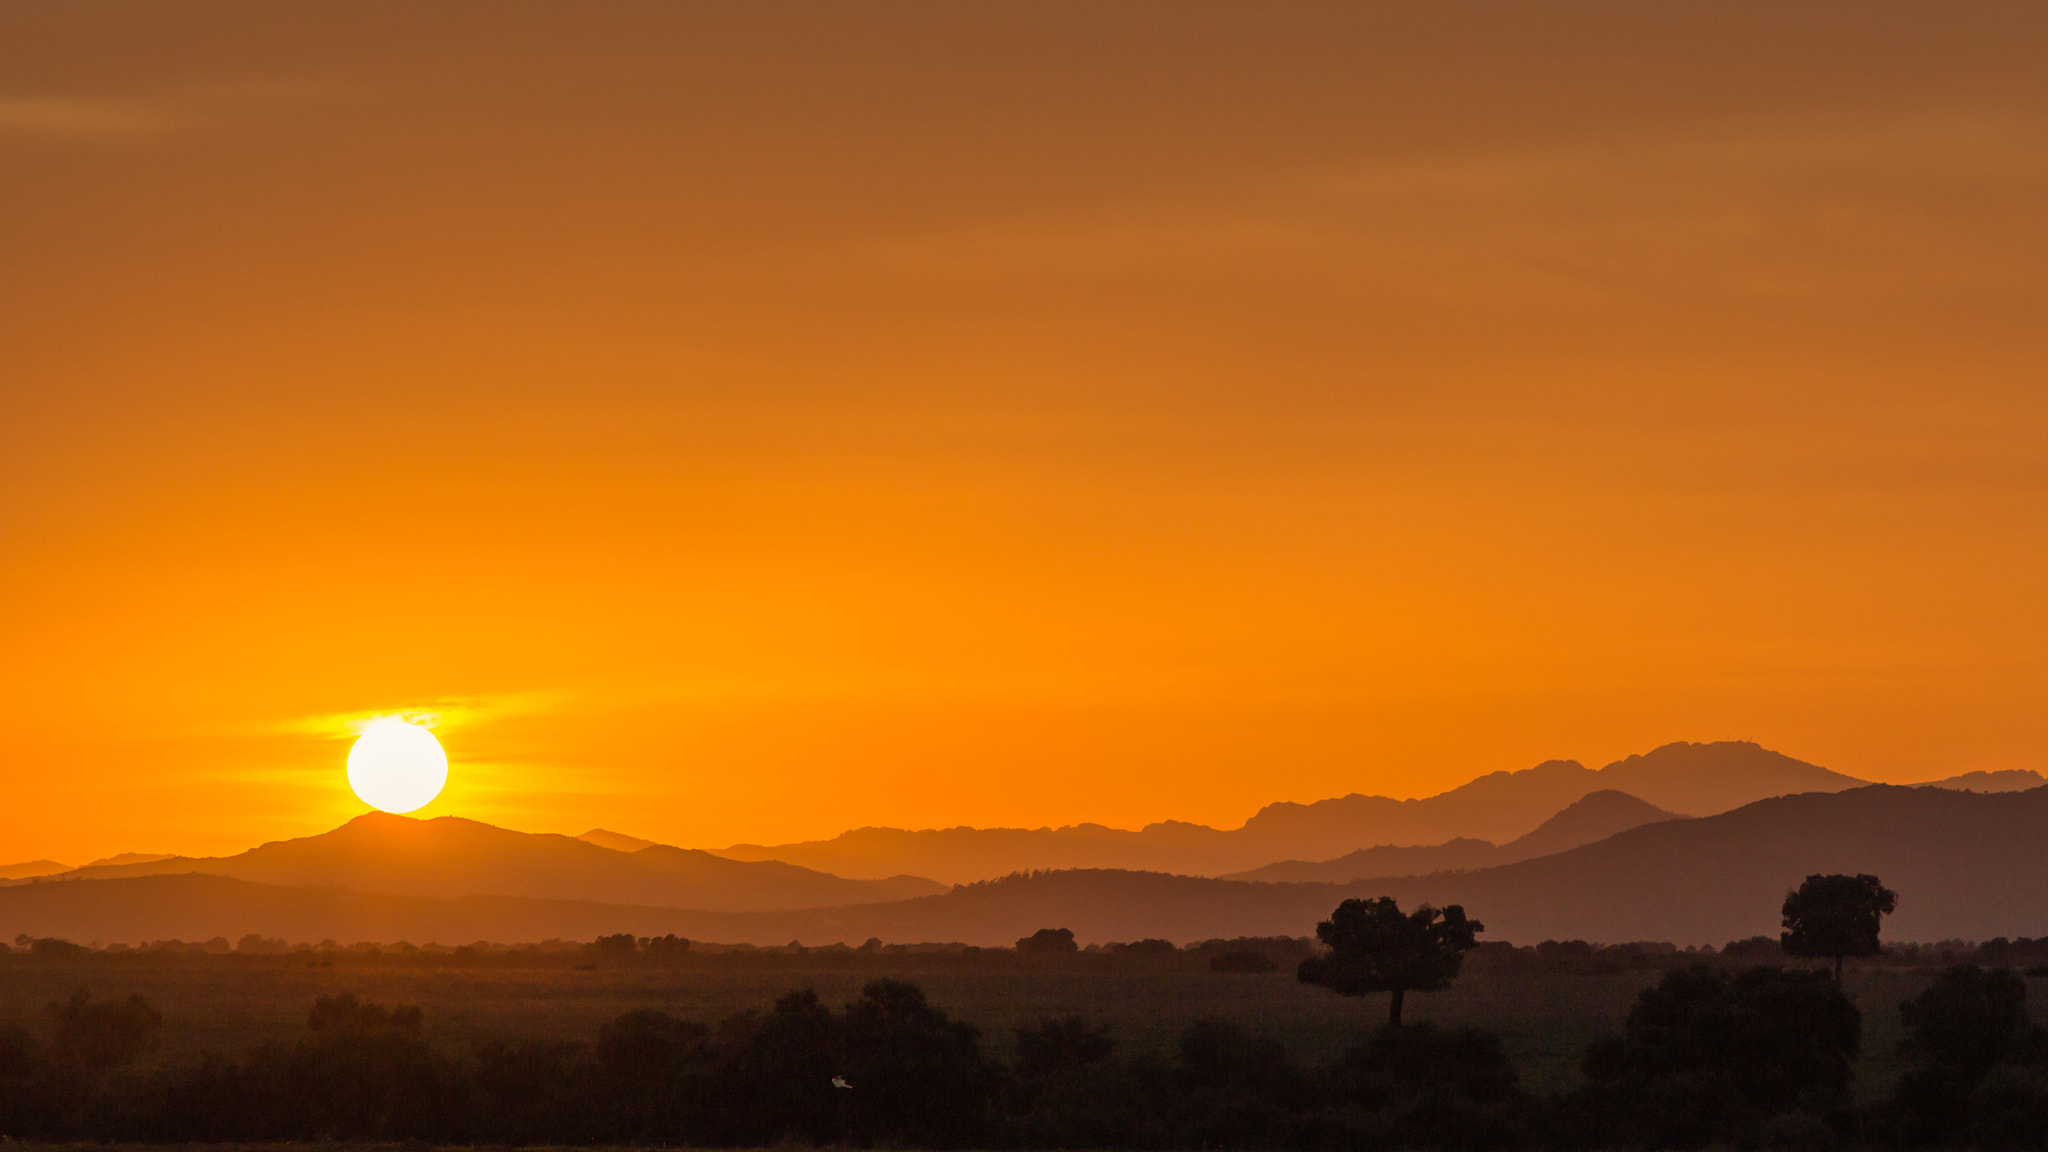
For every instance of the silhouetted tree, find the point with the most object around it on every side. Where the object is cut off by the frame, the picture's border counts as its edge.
(1375, 947)
(779, 1081)
(669, 945)
(1402, 1063)
(618, 944)
(19, 1056)
(1971, 1044)
(1065, 1090)
(543, 1092)
(1836, 916)
(345, 1011)
(94, 1038)
(1426, 1087)
(1235, 1090)
(1049, 940)
(51, 948)
(647, 1048)
(21, 1063)
(364, 1071)
(648, 1058)
(1706, 1055)
(1969, 1020)
(916, 1074)
(1059, 1046)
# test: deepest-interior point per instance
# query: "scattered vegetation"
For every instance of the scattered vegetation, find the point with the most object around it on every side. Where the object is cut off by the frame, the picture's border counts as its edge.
(1722, 1047)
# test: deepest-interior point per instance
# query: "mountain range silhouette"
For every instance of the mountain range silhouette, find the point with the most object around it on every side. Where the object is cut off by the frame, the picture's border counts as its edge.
(1965, 865)
(1679, 778)
(450, 856)
(1594, 816)
(1606, 865)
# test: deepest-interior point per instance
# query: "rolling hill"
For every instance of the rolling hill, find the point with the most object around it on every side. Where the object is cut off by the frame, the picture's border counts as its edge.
(1595, 817)
(447, 856)
(1386, 860)
(29, 868)
(1098, 905)
(2009, 780)
(1965, 864)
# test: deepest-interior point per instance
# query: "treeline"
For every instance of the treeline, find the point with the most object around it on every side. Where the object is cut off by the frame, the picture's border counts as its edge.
(1753, 1057)
(1283, 952)
(624, 949)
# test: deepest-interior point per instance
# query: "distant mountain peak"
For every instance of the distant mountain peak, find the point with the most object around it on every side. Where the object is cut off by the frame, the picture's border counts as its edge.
(1589, 819)
(1700, 779)
(1682, 745)
(1611, 799)
(32, 868)
(1547, 768)
(2006, 780)
(132, 858)
(377, 819)
(616, 841)
(454, 856)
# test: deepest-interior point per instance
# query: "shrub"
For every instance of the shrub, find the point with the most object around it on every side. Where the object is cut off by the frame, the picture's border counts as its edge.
(1707, 1055)
(1049, 940)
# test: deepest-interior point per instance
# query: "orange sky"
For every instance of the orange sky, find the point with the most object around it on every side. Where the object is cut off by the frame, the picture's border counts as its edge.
(749, 421)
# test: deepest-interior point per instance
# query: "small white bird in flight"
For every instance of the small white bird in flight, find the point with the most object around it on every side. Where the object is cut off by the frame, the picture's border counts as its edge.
(840, 1082)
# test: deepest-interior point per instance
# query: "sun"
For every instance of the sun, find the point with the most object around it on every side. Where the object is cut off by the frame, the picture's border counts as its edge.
(397, 766)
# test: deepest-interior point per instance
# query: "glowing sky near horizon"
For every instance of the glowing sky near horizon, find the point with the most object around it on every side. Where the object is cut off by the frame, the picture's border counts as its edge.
(748, 421)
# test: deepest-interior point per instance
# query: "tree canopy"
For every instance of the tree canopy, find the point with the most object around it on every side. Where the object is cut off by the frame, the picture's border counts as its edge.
(1707, 1055)
(100, 1035)
(1835, 917)
(1049, 940)
(1375, 947)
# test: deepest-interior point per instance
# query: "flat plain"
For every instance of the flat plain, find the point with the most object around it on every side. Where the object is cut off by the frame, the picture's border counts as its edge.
(230, 1004)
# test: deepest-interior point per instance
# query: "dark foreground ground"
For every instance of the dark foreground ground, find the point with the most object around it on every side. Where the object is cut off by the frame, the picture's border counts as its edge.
(230, 1004)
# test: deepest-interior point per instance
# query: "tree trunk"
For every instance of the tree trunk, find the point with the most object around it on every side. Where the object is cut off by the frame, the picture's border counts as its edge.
(1394, 1007)
(1838, 969)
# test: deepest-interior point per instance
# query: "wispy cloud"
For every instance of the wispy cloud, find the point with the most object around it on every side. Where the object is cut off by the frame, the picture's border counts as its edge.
(111, 117)
(446, 712)
(76, 117)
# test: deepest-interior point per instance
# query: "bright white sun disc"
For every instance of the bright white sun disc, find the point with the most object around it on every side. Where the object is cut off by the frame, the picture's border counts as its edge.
(397, 766)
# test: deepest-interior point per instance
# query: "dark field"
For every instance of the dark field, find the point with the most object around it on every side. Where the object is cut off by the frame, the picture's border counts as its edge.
(231, 1003)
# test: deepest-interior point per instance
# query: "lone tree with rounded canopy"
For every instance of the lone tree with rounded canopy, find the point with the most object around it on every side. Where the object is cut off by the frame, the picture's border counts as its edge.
(1375, 947)
(1836, 917)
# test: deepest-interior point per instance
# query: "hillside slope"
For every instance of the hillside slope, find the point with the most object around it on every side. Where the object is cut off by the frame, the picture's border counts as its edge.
(447, 856)
(1967, 865)
(29, 868)
(1595, 816)
(1385, 860)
